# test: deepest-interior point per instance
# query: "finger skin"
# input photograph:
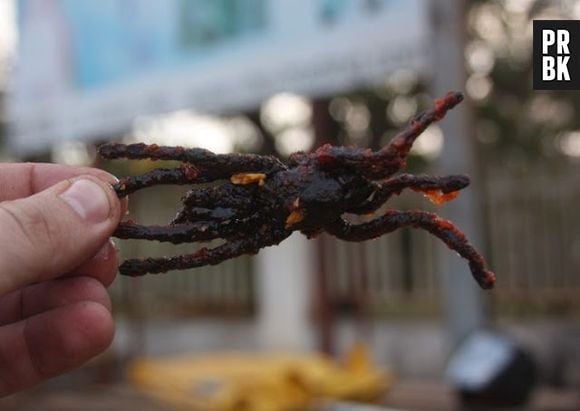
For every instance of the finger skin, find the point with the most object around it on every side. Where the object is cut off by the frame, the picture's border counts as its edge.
(23, 180)
(42, 237)
(102, 266)
(52, 343)
(38, 298)
(52, 325)
(19, 180)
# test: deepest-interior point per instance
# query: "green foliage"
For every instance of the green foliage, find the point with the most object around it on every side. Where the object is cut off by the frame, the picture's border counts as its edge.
(516, 125)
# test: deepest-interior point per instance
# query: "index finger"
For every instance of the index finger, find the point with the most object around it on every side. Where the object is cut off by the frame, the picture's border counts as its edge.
(19, 180)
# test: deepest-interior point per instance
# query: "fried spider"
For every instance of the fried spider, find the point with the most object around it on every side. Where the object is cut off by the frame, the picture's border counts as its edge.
(258, 201)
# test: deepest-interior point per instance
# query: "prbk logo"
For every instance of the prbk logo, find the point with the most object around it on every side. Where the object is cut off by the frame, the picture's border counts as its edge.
(556, 60)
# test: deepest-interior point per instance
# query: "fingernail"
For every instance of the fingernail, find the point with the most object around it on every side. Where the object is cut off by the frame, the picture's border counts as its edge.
(107, 251)
(88, 200)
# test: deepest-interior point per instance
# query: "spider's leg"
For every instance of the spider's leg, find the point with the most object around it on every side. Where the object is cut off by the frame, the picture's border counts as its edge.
(221, 164)
(402, 142)
(385, 189)
(390, 159)
(199, 165)
(216, 203)
(181, 233)
(186, 174)
(443, 229)
(226, 194)
(202, 257)
(193, 214)
(176, 234)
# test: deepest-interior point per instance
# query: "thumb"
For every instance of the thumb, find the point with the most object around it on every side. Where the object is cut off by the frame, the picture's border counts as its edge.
(54, 231)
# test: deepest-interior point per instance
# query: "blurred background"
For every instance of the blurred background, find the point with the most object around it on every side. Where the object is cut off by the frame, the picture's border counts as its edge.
(397, 321)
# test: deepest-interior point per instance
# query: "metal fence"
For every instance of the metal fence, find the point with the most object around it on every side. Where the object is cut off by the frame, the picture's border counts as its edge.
(533, 244)
(226, 288)
(533, 233)
(395, 273)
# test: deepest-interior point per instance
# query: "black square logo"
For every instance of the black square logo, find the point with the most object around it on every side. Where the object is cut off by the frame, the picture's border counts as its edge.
(556, 60)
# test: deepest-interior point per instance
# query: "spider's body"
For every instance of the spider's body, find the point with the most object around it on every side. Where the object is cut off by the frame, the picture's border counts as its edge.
(261, 201)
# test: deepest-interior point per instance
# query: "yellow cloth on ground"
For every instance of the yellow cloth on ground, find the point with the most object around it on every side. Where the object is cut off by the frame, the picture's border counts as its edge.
(259, 382)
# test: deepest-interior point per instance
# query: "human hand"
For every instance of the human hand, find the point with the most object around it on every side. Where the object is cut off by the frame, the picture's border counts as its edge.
(56, 261)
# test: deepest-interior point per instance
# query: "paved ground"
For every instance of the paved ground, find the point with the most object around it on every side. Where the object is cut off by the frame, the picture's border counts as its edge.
(414, 351)
(405, 395)
(434, 396)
